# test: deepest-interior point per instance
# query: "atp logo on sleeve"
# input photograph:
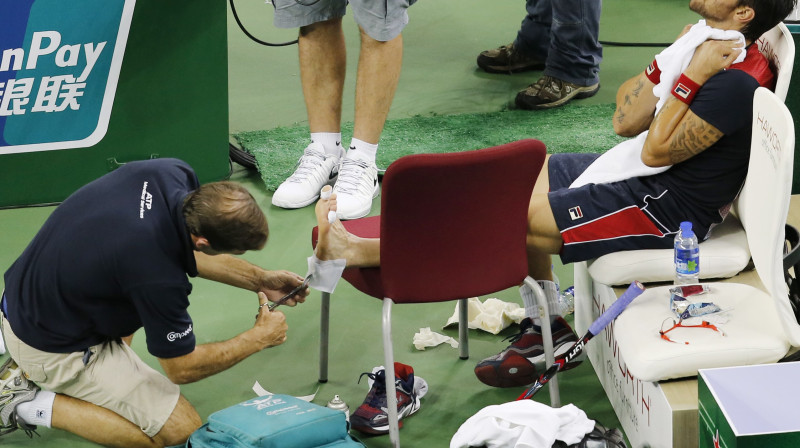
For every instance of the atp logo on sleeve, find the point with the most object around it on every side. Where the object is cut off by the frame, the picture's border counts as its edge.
(59, 67)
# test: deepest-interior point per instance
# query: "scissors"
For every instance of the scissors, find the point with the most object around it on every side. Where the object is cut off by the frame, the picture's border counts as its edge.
(282, 300)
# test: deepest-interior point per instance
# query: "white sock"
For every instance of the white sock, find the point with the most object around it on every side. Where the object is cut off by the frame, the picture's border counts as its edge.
(331, 141)
(532, 306)
(363, 150)
(38, 411)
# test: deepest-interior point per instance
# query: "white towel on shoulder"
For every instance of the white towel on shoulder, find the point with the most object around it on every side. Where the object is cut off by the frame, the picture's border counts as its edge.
(624, 161)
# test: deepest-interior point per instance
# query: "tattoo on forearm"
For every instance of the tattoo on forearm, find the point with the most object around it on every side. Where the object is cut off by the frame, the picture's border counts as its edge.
(637, 89)
(691, 138)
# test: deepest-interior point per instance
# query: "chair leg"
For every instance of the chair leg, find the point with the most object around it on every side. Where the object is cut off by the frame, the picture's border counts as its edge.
(388, 365)
(324, 330)
(547, 338)
(463, 328)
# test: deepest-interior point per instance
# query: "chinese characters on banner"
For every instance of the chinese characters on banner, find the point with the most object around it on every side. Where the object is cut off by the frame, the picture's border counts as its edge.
(59, 66)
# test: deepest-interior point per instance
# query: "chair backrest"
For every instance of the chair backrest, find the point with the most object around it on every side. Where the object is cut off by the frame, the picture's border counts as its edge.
(454, 225)
(777, 45)
(763, 204)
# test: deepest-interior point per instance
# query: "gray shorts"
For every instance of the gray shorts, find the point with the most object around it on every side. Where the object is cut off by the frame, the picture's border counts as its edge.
(381, 20)
(114, 378)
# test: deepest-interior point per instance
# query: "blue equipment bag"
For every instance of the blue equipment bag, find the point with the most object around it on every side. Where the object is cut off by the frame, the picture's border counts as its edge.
(274, 421)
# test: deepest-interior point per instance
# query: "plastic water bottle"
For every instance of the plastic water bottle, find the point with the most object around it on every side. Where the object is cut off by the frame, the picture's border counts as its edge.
(687, 256)
(566, 299)
(555, 279)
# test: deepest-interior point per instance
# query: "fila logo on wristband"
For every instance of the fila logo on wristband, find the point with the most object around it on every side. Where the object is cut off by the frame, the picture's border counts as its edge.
(685, 89)
(682, 91)
(653, 73)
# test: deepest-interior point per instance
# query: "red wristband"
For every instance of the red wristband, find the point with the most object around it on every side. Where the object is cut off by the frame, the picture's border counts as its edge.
(653, 73)
(685, 89)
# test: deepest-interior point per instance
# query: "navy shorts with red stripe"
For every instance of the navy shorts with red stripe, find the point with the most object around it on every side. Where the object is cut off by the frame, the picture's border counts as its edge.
(597, 219)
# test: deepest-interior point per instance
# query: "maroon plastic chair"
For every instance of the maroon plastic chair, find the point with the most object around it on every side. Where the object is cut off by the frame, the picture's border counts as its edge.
(452, 226)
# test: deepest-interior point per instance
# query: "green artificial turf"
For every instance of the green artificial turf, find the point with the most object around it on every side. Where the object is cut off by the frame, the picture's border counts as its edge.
(573, 128)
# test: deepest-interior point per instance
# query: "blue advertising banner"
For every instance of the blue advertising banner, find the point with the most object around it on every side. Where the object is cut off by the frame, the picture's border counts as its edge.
(59, 66)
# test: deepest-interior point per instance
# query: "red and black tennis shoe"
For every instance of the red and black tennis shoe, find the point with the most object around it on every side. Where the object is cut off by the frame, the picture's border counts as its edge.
(523, 361)
(372, 416)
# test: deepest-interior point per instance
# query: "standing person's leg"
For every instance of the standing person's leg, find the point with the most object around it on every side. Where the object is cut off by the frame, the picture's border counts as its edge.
(573, 59)
(378, 73)
(322, 54)
(575, 52)
(322, 72)
(534, 36)
(379, 63)
(529, 49)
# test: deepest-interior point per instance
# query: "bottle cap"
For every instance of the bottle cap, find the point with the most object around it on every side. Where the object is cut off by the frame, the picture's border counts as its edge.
(686, 229)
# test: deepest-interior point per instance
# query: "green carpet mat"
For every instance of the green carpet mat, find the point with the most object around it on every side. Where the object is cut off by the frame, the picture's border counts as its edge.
(572, 128)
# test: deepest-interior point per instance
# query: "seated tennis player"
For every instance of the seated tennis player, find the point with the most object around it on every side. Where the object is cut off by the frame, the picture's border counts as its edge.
(690, 153)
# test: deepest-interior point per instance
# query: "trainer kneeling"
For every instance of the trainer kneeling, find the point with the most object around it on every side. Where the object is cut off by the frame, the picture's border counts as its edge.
(112, 258)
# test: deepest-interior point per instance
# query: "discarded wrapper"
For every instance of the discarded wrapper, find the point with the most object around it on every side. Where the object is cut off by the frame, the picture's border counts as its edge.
(685, 309)
(689, 290)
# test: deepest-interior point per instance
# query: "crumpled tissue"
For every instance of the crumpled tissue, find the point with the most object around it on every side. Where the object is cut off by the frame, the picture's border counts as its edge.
(493, 315)
(427, 338)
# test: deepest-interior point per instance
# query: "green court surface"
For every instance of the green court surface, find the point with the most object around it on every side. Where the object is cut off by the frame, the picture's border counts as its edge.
(439, 76)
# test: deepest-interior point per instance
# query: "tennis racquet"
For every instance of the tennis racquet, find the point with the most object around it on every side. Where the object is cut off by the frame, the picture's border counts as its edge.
(633, 291)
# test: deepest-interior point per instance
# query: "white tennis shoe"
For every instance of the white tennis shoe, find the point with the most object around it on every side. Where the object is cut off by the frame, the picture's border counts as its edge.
(356, 187)
(314, 170)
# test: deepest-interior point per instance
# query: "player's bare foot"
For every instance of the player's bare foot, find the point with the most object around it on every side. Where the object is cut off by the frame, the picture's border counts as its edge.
(336, 243)
(333, 237)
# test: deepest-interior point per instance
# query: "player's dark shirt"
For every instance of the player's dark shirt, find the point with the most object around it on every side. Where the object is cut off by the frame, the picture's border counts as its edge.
(711, 180)
(112, 258)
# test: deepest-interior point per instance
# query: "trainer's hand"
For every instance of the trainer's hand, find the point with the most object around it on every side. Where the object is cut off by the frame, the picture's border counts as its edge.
(270, 327)
(276, 284)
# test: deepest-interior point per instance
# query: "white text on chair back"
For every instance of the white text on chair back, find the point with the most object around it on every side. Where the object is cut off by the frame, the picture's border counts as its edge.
(777, 45)
(763, 204)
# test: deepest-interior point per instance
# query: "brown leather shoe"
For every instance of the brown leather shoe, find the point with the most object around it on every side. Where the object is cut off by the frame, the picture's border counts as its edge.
(549, 92)
(505, 59)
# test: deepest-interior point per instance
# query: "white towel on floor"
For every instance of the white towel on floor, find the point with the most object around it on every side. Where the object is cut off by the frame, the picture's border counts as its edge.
(523, 424)
(624, 161)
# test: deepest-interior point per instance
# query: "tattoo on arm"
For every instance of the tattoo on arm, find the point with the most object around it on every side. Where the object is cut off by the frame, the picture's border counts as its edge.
(628, 102)
(692, 137)
(637, 89)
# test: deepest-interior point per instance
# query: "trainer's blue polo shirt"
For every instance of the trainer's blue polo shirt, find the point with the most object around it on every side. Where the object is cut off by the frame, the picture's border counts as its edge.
(112, 258)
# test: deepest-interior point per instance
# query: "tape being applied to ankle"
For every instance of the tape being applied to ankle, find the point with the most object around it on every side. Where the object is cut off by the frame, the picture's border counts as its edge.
(325, 274)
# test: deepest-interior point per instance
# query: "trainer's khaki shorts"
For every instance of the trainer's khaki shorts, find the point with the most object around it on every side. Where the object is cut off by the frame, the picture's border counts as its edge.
(114, 378)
